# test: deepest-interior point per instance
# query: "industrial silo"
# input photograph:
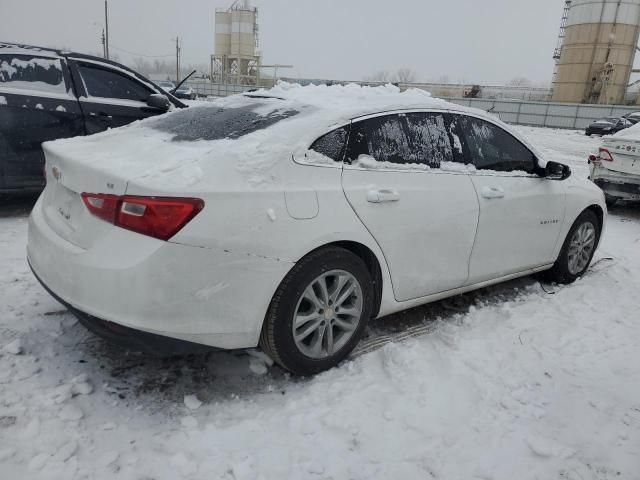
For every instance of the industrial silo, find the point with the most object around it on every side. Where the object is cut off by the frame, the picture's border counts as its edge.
(597, 52)
(236, 59)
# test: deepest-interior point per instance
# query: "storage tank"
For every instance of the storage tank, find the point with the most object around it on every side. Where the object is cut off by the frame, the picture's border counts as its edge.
(598, 51)
(236, 33)
(236, 58)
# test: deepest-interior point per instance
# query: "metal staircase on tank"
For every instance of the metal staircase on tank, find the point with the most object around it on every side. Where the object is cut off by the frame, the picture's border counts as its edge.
(563, 26)
(558, 51)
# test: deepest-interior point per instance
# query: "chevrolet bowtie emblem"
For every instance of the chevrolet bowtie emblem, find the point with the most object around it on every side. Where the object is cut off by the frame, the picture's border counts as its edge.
(56, 173)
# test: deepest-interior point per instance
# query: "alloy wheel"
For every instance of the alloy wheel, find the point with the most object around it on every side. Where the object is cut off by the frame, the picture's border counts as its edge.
(327, 314)
(581, 248)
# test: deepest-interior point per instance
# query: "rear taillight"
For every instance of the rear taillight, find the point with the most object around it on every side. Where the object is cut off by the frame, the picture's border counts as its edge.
(605, 155)
(158, 217)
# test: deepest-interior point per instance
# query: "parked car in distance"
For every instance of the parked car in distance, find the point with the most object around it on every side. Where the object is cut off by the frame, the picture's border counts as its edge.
(289, 218)
(186, 93)
(167, 86)
(608, 126)
(47, 94)
(616, 168)
(633, 117)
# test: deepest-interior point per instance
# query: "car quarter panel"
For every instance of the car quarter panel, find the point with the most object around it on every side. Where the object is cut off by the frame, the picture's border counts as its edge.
(151, 285)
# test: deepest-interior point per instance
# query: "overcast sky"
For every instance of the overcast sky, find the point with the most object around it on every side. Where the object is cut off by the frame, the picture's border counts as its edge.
(479, 41)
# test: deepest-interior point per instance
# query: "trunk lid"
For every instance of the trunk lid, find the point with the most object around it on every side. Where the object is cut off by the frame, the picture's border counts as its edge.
(625, 152)
(63, 207)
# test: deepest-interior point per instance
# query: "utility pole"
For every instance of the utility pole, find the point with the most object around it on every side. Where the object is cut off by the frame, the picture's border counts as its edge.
(177, 60)
(104, 45)
(106, 26)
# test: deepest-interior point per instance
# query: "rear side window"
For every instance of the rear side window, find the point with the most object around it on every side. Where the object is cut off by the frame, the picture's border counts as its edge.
(333, 144)
(26, 72)
(383, 138)
(431, 140)
(105, 83)
(492, 148)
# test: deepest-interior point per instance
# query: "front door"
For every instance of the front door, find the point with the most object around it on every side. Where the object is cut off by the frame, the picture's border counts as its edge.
(111, 98)
(423, 216)
(521, 213)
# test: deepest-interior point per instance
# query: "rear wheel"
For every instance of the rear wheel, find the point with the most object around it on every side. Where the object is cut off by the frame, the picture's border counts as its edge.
(578, 249)
(319, 312)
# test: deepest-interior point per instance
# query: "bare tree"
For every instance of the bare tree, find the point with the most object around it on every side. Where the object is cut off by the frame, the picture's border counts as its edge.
(405, 75)
(519, 82)
(381, 76)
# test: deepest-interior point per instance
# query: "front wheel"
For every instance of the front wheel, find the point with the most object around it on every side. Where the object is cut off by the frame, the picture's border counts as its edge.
(578, 249)
(319, 311)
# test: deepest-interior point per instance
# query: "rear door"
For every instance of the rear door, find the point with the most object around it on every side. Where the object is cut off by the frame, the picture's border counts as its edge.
(521, 214)
(398, 178)
(37, 104)
(110, 97)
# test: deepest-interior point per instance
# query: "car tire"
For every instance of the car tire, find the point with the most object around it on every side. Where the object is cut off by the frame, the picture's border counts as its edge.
(566, 269)
(307, 328)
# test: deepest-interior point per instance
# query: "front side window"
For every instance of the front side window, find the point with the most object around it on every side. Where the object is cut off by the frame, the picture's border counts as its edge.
(492, 148)
(105, 83)
(26, 72)
(383, 138)
(333, 144)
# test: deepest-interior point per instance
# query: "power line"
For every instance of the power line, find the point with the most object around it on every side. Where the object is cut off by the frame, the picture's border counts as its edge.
(139, 54)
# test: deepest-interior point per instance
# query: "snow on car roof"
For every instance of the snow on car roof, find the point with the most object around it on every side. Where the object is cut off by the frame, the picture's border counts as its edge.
(632, 133)
(178, 149)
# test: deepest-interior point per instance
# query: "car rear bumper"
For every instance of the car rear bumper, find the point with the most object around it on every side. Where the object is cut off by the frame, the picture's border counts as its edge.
(132, 339)
(199, 295)
(616, 184)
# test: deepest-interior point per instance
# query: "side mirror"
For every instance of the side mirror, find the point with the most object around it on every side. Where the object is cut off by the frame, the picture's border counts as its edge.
(557, 171)
(159, 101)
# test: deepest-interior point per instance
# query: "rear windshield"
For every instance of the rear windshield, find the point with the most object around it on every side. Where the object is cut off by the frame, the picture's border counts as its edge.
(213, 123)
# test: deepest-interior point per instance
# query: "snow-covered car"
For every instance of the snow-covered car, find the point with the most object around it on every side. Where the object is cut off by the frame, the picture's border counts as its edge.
(289, 218)
(616, 168)
(633, 117)
(167, 86)
(186, 93)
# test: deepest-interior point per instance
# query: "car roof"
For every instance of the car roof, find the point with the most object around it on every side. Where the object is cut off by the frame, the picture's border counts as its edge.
(23, 49)
(353, 101)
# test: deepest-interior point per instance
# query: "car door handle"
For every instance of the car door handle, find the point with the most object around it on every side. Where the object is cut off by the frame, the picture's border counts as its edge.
(101, 115)
(492, 192)
(383, 195)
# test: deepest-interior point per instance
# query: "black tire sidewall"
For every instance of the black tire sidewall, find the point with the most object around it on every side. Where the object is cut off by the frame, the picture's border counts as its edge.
(282, 310)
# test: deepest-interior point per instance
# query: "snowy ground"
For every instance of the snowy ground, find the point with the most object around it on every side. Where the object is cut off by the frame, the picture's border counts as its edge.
(513, 382)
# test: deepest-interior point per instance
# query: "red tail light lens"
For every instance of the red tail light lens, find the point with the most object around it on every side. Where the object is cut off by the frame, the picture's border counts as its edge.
(605, 155)
(158, 217)
(102, 205)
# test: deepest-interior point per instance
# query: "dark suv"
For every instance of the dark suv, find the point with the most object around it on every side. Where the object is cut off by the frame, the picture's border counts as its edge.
(48, 94)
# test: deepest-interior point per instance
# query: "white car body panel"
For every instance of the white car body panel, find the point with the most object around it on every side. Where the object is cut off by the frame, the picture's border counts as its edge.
(212, 282)
(427, 234)
(520, 222)
(620, 178)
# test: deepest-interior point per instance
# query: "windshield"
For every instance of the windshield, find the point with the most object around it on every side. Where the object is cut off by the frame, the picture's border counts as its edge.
(215, 123)
(165, 84)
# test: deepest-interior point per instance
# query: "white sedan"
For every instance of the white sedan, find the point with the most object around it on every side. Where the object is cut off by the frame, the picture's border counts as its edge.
(288, 218)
